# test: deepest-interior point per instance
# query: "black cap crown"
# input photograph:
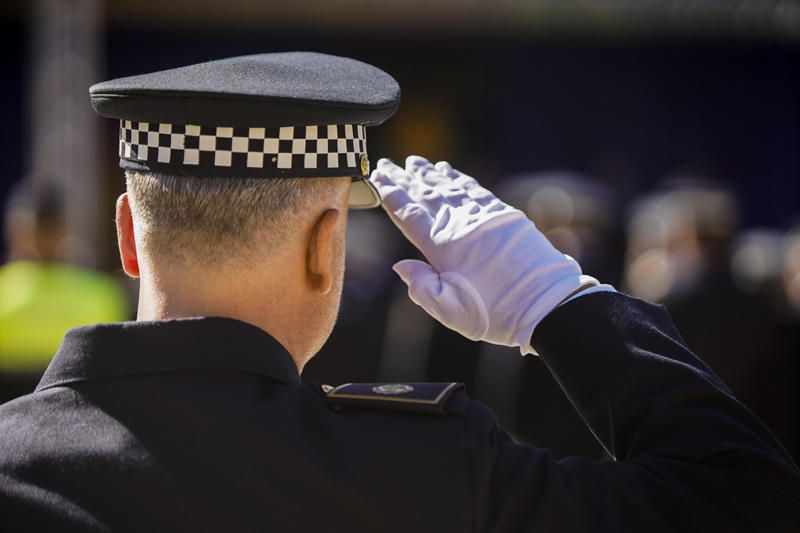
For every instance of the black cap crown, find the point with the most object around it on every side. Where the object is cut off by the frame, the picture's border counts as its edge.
(295, 114)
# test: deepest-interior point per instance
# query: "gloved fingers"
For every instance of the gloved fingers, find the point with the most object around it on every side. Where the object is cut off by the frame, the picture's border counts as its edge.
(456, 187)
(447, 169)
(393, 195)
(428, 187)
(412, 218)
(447, 297)
(440, 174)
(463, 182)
(416, 164)
(432, 198)
(479, 194)
(410, 179)
(440, 185)
(459, 178)
(423, 285)
(415, 222)
(426, 172)
(397, 173)
(412, 269)
(465, 190)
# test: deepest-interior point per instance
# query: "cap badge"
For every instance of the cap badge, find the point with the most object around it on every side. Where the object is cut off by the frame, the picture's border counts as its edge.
(392, 389)
(364, 164)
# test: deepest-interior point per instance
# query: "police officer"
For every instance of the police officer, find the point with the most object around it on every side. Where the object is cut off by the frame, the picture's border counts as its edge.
(239, 176)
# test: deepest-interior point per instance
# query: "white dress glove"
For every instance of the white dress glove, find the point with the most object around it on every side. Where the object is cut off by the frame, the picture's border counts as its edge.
(492, 275)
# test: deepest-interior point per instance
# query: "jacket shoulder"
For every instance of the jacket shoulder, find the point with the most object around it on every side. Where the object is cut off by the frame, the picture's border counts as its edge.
(423, 398)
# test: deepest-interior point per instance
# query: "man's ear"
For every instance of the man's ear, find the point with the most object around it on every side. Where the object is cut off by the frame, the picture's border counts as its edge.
(321, 249)
(125, 237)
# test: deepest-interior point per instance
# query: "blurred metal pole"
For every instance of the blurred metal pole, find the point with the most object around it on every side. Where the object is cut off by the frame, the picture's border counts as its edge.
(65, 60)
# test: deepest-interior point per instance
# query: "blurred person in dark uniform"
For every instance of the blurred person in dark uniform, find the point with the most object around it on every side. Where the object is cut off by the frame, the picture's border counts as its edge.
(576, 212)
(684, 252)
(194, 417)
(790, 272)
(41, 297)
(791, 315)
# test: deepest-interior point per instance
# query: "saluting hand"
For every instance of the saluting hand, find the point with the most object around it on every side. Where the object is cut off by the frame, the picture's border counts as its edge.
(493, 276)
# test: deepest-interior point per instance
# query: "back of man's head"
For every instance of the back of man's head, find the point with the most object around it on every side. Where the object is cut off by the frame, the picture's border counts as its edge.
(220, 221)
(269, 252)
(277, 147)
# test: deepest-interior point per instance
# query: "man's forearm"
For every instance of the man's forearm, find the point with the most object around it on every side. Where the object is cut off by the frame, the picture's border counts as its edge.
(650, 401)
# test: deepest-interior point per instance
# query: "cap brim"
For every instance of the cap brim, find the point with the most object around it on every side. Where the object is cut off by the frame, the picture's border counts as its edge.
(363, 194)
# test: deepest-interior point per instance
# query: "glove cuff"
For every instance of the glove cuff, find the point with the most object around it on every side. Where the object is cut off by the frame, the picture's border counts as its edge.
(550, 300)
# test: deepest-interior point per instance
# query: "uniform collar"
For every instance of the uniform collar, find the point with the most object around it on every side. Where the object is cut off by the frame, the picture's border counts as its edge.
(128, 348)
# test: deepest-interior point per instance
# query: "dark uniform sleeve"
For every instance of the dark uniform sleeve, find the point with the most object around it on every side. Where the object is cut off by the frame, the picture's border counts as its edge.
(687, 455)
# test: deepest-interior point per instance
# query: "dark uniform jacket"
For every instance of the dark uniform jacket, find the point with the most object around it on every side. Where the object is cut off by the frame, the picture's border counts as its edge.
(203, 425)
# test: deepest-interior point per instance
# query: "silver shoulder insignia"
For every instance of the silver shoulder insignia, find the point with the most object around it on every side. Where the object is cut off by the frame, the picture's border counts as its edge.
(420, 397)
(390, 389)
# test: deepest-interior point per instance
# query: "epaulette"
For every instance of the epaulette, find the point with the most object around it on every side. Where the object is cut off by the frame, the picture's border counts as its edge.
(430, 398)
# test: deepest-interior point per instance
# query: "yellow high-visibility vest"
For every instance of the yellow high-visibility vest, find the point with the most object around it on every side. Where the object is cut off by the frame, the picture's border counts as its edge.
(39, 302)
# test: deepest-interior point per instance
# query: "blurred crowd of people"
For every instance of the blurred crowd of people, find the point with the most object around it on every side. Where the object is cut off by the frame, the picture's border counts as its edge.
(733, 292)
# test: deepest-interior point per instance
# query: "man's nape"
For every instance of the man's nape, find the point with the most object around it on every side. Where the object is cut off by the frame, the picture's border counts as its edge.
(275, 282)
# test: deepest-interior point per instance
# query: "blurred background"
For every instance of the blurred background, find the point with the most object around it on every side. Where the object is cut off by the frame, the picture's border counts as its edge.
(656, 141)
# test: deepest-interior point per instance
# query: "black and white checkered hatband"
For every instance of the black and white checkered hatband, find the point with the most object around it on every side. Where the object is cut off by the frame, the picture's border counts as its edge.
(289, 151)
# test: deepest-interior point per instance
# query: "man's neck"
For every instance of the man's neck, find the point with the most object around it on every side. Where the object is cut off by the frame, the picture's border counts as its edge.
(261, 307)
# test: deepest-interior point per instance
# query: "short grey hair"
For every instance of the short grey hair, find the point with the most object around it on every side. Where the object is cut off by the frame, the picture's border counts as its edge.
(218, 219)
